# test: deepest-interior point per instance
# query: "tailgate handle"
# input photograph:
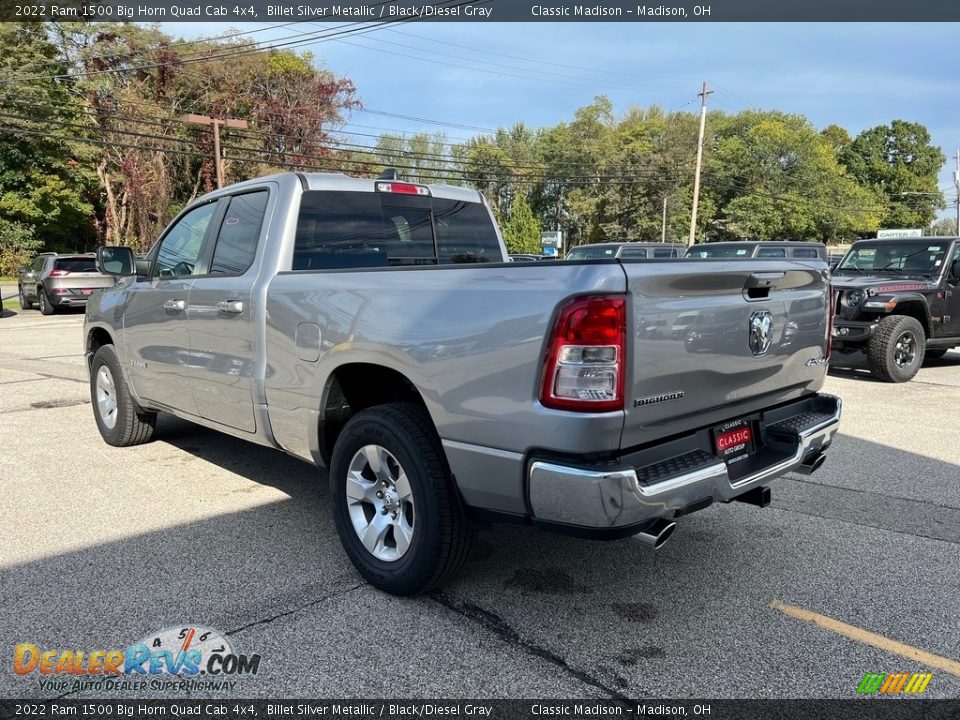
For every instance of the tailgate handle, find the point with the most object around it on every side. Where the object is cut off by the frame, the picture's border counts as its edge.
(757, 286)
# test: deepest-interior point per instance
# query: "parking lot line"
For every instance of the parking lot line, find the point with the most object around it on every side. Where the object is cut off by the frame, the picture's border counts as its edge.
(866, 637)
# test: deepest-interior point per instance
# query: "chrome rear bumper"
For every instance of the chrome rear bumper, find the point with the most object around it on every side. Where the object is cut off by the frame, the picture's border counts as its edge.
(585, 497)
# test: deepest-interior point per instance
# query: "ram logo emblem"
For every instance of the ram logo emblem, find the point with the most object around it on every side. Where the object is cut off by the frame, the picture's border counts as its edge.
(761, 332)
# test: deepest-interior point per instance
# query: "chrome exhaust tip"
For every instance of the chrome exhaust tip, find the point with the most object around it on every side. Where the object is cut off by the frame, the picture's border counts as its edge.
(809, 467)
(657, 534)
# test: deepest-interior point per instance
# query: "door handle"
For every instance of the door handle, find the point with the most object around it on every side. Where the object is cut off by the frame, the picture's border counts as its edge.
(230, 306)
(175, 305)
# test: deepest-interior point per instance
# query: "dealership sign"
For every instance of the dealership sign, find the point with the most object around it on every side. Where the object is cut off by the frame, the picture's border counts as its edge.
(899, 233)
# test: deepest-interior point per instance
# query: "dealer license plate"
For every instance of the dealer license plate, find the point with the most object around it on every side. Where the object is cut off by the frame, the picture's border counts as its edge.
(734, 439)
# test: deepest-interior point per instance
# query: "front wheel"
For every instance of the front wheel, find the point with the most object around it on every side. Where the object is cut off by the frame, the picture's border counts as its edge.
(895, 352)
(119, 420)
(394, 504)
(24, 303)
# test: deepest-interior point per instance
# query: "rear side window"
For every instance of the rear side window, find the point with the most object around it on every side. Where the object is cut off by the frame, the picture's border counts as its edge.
(239, 232)
(596, 252)
(771, 252)
(84, 264)
(342, 229)
(724, 251)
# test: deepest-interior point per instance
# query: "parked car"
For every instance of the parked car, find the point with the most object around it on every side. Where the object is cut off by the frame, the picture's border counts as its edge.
(897, 301)
(793, 250)
(626, 251)
(374, 327)
(53, 281)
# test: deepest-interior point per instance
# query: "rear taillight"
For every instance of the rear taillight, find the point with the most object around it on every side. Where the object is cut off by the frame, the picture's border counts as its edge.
(831, 304)
(586, 356)
(58, 273)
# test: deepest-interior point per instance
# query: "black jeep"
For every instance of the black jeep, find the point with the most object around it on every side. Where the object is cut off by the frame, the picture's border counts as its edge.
(898, 300)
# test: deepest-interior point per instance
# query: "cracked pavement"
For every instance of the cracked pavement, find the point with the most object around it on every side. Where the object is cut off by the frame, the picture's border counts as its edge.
(99, 546)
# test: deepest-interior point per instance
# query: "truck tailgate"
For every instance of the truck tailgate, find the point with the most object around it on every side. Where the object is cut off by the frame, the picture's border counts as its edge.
(714, 340)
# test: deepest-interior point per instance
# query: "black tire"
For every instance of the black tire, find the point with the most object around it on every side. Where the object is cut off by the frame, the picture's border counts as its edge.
(24, 303)
(441, 536)
(895, 352)
(46, 307)
(132, 426)
(935, 353)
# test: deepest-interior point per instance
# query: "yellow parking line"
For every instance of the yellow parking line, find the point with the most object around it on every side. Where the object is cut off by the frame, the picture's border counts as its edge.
(868, 638)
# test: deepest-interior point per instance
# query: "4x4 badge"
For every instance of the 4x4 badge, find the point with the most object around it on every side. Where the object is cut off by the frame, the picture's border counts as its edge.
(761, 332)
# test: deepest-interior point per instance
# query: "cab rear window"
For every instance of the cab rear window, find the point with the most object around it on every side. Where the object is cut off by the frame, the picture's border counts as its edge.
(344, 229)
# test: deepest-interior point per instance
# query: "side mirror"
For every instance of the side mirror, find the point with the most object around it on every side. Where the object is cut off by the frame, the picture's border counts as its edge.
(116, 261)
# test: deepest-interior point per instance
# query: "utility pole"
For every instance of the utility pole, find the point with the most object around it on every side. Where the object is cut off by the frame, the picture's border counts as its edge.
(663, 224)
(216, 123)
(956, 183)
(696, 178)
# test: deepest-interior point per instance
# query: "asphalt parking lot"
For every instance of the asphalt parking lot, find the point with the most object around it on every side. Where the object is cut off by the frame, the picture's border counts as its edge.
(99, 546)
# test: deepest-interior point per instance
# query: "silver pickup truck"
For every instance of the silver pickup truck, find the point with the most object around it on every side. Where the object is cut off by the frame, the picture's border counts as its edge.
(375, 327)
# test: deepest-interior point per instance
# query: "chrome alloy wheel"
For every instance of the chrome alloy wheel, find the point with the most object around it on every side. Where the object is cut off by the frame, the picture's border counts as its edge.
(905, 350)
(106, 397)
(380, 502)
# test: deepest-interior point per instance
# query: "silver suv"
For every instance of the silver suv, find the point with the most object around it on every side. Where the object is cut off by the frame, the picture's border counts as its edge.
(53, 281)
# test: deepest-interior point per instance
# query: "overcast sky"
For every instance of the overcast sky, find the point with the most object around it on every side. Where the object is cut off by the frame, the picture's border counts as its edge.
(495, 74)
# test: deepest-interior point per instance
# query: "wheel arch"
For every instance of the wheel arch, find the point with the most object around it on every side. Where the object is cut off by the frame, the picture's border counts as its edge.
(97, 337)
(355, 386)
(915, 307)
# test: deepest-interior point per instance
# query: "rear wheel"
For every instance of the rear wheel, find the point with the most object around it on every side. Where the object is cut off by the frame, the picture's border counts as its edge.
(393, 500)
(46, 307)
(119, 420)
(24, 303)
(896, 351)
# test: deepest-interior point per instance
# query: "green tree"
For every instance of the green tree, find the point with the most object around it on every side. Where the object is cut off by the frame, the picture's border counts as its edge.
(899, 162)
(837, 138)
(521, 232)
(44, 181)
(774, 177)
(17, 246)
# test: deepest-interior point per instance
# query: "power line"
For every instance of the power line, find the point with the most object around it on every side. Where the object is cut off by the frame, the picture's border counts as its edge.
(303, 38)
(134, 53)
